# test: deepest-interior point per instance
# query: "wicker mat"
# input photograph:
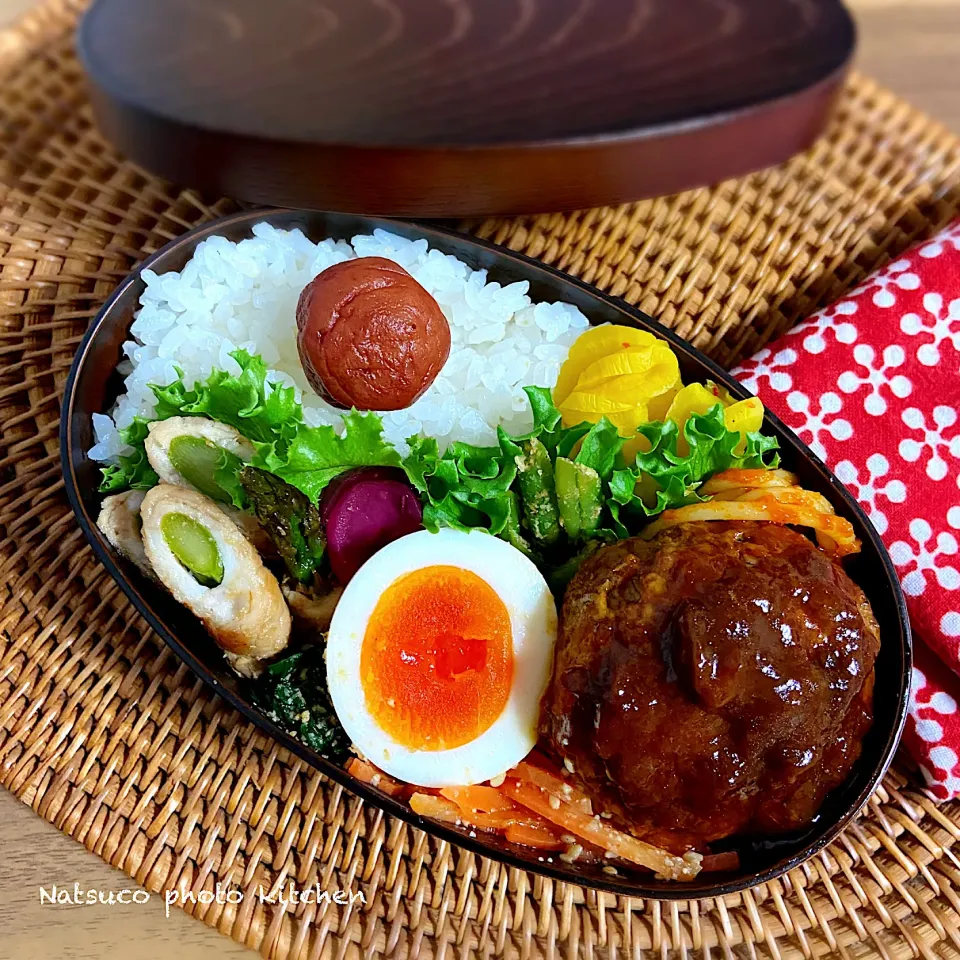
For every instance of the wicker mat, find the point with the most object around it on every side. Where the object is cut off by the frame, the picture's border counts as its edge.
(106, 736)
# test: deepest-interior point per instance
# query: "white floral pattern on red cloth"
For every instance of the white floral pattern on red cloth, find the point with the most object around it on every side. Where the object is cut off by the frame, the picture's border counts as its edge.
(872, 385)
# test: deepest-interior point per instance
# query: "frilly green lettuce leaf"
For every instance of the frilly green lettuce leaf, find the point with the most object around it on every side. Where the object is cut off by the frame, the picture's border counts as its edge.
(261, 410)
(268, 414)
(134, 470)
(712, 448)
(315, 455)
(601, 447)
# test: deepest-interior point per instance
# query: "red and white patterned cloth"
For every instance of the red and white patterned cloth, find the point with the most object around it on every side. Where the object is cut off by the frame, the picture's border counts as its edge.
(872, 384)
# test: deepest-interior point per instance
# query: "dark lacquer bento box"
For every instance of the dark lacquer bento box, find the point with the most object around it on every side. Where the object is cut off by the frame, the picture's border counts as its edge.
(94, 384)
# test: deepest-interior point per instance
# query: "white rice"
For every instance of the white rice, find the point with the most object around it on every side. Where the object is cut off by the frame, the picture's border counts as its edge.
(244, 295)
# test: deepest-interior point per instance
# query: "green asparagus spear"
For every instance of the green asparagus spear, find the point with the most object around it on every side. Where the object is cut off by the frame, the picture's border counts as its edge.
(290, 520)
(211, 469)
(194, 546)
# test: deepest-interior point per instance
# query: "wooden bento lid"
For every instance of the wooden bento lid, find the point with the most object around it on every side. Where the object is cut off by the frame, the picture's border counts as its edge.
(446, 108)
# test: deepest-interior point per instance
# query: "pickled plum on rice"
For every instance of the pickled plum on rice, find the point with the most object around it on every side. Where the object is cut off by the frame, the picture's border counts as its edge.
(369, 336)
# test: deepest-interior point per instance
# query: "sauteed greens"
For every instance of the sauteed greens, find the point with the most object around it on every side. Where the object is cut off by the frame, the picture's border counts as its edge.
(293, 693)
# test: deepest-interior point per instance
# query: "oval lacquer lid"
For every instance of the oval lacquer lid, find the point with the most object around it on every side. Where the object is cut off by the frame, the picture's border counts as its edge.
(461, 107)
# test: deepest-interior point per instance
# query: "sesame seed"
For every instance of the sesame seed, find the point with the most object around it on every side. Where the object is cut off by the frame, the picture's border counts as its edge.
(571, 853)
(609, 854)
(568, 838)
(391, 702)
(554, 803)
(612, 871)
(568, 763)
(498, 780)
(375, 780)
(605, 815)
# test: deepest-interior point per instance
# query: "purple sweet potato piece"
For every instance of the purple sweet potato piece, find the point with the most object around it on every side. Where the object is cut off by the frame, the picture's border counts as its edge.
(343, 481)
(364, 510)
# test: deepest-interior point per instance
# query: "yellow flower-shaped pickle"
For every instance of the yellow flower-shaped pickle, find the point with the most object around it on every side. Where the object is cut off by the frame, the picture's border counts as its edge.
(745, 416)
(595, 344)
(693, 398)
(617, 372)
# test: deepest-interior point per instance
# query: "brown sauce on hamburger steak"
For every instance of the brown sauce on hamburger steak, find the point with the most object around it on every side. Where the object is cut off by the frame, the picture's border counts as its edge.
(716, 680)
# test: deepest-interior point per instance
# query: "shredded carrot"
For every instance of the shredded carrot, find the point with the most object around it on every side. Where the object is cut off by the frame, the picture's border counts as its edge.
(368, 773)
(531, 835)
(437, 808)
(479, 798)
(554, 784)
(535, 807)
(481, 807)
(509, 818)
(486, 807)
(573, 820)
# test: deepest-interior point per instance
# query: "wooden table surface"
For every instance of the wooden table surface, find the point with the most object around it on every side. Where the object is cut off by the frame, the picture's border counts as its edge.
(911, 46)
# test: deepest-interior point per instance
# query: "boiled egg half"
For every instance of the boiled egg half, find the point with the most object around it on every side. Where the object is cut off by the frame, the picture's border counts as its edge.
(438, 654)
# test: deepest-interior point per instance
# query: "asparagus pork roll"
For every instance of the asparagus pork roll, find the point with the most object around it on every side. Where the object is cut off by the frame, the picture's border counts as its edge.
(119, 522)
(189, 450)
(203, 454)
(204, 560)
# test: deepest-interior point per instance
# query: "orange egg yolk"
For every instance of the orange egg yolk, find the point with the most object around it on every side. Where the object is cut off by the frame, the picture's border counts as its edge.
(437, 658)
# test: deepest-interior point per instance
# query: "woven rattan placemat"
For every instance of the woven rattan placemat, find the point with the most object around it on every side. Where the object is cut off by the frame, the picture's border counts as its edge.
(104, 735)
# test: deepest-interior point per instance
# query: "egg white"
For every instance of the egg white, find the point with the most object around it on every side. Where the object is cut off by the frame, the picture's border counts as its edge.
(533, 622)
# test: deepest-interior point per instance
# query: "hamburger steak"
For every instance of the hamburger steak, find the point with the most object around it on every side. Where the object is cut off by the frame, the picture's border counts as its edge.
(715, 680)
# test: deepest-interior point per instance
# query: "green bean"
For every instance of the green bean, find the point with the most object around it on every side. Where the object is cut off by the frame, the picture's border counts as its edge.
(579, 497)
(568, 496)
(591, 499)
(535, 474)
(511, 528)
